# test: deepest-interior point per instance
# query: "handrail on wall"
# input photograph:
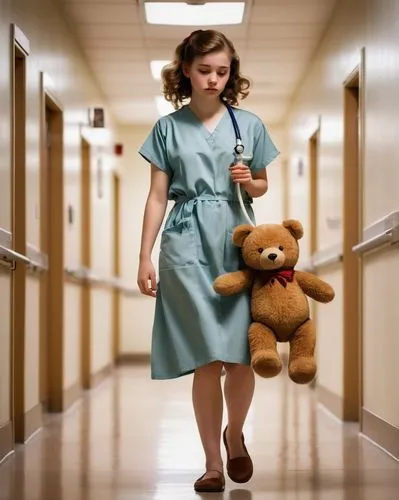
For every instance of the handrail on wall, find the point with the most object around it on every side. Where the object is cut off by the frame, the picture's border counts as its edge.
(88, 276)
(383, 232)
(10, 258)
(129, 291)
(85, 274)
(35, 260)
(327, 257)
(37, 267)
(38, 260)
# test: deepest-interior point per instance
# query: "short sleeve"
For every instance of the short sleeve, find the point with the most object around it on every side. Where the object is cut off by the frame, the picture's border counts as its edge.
(264, 150)
(154, 148)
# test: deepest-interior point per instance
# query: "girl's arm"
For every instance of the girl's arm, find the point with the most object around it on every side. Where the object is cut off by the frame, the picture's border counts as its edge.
(153, 216)
(255, 184)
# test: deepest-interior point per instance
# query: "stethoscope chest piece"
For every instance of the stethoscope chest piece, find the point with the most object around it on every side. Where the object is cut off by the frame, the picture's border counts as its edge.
(239, 149)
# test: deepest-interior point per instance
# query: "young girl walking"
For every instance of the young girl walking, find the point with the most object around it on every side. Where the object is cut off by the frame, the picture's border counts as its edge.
(191, 156)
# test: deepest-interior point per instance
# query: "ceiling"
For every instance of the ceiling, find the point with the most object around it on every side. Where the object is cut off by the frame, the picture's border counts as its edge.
(275, 44)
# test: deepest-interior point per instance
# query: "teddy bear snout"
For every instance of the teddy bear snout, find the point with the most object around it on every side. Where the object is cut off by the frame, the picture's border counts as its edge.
(272, 258)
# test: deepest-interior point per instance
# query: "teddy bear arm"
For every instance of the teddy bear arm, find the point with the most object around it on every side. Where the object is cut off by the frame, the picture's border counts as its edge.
(314, 287)
(232, 283)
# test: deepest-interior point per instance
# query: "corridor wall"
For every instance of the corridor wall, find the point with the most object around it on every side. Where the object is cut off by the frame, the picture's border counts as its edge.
(370, 25)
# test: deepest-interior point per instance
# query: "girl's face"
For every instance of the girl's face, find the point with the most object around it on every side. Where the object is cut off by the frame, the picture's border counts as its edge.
(209, 74)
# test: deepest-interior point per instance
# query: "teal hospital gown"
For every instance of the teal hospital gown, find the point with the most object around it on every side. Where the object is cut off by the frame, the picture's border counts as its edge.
(193, 325)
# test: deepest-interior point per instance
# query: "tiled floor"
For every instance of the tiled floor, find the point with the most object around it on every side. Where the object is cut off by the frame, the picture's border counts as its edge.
(135, 439)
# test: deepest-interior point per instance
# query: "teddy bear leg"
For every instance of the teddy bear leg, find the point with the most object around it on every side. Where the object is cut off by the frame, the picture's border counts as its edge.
(302, 365)
(265, 359)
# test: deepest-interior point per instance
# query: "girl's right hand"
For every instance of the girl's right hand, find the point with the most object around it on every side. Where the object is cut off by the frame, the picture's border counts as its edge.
(146, 279)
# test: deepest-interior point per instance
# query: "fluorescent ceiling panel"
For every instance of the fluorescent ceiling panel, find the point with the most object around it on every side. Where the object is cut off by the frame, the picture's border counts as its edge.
(183, 14)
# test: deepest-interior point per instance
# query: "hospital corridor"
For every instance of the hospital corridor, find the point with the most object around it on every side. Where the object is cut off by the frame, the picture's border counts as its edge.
(84, 412)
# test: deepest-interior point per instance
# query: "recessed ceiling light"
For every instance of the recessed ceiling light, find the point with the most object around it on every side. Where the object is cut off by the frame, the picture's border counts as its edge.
(156, 68)
(185, 14)
(164, 107)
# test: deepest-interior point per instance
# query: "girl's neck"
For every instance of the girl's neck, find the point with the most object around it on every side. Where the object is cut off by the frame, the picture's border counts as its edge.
(205, 109)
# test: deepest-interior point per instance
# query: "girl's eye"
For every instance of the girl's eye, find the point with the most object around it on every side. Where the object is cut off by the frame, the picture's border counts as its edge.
(206, 72)
(281, 248)
(260, 250)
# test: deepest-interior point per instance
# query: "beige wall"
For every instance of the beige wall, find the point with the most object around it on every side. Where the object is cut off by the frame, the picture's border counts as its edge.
(54, 51)
(137, 311)
(103, 245)
(371, 24)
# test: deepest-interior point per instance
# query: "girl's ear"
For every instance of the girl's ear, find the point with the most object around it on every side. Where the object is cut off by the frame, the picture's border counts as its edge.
(185, 70)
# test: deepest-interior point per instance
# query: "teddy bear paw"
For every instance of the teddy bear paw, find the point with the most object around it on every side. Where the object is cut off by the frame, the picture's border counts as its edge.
(266, 364)
(302, 370)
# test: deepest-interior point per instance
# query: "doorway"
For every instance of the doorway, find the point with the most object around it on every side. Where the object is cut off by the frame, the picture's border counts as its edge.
(352, 224)
(52, 244)
(116, 270)
(313, 152)
(85, 152)
(313, 190)
(18, 225)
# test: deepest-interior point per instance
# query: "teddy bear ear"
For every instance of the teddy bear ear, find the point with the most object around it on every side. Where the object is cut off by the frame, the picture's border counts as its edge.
(240, 233)
(294, 227)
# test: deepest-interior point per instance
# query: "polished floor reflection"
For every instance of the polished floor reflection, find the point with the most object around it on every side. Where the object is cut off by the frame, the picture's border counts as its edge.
(135, 439)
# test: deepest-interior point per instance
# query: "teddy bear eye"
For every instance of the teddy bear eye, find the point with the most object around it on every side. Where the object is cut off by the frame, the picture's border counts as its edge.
(281, 247)
(260, 250)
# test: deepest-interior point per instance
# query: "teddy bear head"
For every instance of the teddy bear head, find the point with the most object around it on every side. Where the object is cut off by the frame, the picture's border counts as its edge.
(269, 246)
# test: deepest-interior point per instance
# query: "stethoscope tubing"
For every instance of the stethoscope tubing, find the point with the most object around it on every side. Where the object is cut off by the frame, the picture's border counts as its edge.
(238, 153)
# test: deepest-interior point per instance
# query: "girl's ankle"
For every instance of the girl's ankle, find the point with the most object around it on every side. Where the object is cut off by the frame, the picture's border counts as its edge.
(214, 467)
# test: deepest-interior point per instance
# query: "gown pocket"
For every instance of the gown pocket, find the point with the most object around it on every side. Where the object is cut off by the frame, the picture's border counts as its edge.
(232, 254)
(177, 246)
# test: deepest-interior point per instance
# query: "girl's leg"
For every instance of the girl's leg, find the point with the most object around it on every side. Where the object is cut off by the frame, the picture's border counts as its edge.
(238, 391)
(208, 409)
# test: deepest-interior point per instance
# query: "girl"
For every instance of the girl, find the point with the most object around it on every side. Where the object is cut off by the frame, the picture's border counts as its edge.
(195, 330)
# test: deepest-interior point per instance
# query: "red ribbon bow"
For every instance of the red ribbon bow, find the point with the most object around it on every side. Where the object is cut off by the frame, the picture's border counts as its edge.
(282, 276)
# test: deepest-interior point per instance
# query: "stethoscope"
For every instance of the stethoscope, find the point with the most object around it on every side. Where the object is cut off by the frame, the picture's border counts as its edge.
(239, 158)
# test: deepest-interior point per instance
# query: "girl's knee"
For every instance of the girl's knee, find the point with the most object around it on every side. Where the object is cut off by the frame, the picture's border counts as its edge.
(210, 369)
(237, 368)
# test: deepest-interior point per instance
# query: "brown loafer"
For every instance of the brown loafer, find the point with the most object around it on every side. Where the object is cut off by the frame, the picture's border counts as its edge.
(210, 484)
(239, 469)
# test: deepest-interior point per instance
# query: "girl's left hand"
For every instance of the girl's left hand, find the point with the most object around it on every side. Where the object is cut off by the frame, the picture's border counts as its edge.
(240, 174)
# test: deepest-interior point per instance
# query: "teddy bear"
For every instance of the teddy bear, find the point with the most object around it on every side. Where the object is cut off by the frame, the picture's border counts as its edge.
(278, 292)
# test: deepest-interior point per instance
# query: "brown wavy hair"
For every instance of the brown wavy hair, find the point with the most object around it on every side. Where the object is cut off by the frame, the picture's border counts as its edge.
(177, 87)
